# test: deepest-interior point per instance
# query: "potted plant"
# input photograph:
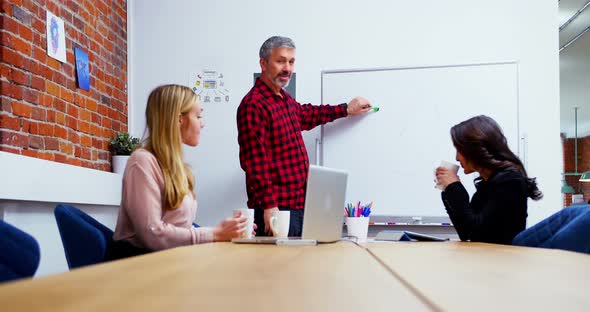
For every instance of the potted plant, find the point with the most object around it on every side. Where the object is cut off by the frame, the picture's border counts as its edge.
(122, 145)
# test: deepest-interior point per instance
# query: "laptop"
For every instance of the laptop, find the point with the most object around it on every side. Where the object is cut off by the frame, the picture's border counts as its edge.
(323, 217)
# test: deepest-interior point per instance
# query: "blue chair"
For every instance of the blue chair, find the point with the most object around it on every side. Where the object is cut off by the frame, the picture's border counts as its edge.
(85, 240)
(19, 253)
(567, 229)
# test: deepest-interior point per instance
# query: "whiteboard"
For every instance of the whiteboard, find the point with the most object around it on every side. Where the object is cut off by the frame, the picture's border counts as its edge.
(391, 154)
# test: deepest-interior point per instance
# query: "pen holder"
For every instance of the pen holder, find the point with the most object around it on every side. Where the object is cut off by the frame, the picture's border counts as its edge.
(358, 227)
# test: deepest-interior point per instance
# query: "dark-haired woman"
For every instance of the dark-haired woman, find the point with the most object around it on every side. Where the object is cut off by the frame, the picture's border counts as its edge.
(498, 209)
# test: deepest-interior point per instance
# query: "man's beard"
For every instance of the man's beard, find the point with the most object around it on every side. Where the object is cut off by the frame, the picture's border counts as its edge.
(277, 81)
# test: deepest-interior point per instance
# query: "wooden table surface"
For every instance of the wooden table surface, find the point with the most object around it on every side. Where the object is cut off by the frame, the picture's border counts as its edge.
(457, 276)
(222, 277)
(417, 276)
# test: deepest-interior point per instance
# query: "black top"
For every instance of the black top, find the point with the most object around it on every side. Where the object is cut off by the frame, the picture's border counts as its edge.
(497, 211)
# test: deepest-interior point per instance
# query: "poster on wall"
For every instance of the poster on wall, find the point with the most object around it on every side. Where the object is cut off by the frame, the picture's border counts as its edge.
(82, 69)
(209, 85)
(56, 37)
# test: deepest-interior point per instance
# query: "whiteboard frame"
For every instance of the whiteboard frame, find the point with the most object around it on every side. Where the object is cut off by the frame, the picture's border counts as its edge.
(521, 141)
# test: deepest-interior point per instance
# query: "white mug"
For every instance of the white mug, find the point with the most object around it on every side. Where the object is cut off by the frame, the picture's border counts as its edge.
(279, 223)
(248, 213)
(447, 165)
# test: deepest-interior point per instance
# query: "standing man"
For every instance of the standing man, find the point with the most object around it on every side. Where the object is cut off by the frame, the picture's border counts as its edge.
(272, 151)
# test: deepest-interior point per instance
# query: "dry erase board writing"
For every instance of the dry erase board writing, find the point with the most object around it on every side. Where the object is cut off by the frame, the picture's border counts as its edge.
(391, 154)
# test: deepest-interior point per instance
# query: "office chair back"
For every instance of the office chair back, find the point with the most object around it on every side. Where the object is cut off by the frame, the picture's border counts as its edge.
(19, 253)
(567, 229)
(85, 240)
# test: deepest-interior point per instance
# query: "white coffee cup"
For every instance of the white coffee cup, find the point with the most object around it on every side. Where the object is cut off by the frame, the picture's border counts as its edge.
(248, 213)
(279, 223)
(358, 227)
(447, 165)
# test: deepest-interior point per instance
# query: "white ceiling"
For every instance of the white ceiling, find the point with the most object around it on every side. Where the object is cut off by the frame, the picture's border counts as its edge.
(574, 63)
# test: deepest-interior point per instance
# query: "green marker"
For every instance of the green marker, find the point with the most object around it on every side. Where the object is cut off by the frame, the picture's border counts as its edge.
(375, 108)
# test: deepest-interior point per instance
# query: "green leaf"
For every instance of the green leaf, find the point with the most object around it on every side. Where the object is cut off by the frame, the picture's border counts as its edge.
(123, 144)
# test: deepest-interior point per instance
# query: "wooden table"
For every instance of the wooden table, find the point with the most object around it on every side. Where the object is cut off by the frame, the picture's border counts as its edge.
(417, 276)
(455, 276)
(222, 277)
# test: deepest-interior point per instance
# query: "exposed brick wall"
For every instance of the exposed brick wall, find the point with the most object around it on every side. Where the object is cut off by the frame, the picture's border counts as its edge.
(583, 165)
(43, 114)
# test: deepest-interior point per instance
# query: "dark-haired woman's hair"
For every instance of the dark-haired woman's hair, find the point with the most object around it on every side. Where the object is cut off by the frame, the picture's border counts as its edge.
(481, 141)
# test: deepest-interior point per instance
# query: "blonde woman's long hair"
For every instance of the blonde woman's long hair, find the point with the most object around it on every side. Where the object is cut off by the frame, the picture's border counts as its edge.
(164, 107)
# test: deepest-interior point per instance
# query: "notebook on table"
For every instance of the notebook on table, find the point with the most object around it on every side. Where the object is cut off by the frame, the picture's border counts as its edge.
(408, 236)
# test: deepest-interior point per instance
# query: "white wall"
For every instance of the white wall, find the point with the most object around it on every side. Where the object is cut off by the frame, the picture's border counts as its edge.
(33, 179)
(171, 38)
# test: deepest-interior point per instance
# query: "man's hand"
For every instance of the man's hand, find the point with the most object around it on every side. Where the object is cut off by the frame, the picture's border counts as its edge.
(267, 214)
(358, 105)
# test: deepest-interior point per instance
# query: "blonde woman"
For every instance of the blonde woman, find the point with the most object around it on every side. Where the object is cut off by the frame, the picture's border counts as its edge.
(158, 202)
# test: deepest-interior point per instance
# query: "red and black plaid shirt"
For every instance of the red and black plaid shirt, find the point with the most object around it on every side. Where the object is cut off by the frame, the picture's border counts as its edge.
(272, 152)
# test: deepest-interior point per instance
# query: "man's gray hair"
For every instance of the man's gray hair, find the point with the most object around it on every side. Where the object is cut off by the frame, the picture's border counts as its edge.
(274, 42)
